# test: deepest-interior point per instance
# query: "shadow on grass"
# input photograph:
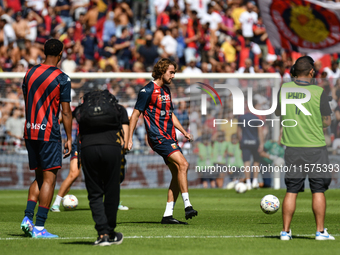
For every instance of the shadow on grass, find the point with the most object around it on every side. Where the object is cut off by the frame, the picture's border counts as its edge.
(140, 222)
(294, 237)
(78, 209)
(18, 235)
(80, 242)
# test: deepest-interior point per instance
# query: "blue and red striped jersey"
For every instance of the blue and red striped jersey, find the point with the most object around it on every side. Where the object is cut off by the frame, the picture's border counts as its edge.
(45, 88)
(156, 105)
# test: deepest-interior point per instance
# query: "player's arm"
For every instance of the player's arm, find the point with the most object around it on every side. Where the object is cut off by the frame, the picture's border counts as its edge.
(326, 121)
(278, 107)
(66, 114)
(325, 110)
(261, 138)
(178, 125)
(133, 123)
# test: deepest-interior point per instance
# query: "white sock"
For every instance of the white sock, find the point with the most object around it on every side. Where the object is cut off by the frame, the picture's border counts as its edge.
(255, 181)
(186, 200)
(169, 209)
(39, 228)
(248, 182)
(57, 200)
(236, 181)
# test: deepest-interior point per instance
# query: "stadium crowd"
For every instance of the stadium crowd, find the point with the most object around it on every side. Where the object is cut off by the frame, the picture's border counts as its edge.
(202, 36)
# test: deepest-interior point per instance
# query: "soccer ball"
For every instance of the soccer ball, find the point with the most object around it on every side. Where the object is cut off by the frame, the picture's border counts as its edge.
(70, 202)
(240, 187)
(270, 204)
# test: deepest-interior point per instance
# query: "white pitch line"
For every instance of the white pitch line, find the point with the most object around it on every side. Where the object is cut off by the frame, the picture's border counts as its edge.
(154, 237)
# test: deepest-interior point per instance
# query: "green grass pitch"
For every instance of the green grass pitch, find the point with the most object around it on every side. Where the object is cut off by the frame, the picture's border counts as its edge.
(227, 223)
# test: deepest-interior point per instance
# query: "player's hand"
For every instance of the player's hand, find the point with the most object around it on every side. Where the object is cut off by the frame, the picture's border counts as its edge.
(190, 137)
(130, 145)
(67, 148)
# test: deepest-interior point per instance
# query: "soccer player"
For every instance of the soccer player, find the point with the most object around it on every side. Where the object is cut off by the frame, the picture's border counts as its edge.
(251, 144)
(70, 179)
(154, 102)
(305, 146)
(45, 88)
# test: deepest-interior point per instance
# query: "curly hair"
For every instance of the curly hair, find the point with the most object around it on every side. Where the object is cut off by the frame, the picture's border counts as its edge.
(53, 47)
(161, 66)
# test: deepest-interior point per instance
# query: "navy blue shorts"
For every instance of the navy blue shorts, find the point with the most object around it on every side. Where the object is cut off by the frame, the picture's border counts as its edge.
(47, 155)
(166, 148)
(248, 150)
(74, 152)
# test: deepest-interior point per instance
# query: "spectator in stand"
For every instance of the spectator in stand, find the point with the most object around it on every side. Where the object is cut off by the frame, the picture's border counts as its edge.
(163, 19)
(34, 20)
(109, 27)
(122, 17)
(89, 44)
(229, 49)
(123, 49)
(192, 35)
(260, 37)
(182, 114)
(191, 67)
(169, 45)
(15, 127)
(333, 73)
(42, 36)
(21, 29)
(248, 67)
(91, 17)
(63, 9)
(69, 65)
(8, 33)
(139, 10)
(247, 19)
(79, 28)
(148, 53)
(54, 24)
(79, 7)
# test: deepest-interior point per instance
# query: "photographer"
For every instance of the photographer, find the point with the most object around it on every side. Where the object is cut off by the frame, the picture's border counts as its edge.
(101, 159)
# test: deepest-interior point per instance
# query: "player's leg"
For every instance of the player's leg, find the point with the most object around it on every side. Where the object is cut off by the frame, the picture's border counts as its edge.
(318, 187)
(246, 156)
(45, 198)
(33, 192)
(256, 166)
(173, 193)
(111, 180)
(319, 210)
(182, 166)
(50, 154)
(33, 197)
(288, 209)
(67, 183)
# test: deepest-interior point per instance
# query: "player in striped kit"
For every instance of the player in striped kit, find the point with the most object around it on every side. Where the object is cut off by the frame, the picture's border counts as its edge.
(154, 102)
(45, 88)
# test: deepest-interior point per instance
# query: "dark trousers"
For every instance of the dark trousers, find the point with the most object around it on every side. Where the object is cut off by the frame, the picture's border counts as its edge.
(101, 166)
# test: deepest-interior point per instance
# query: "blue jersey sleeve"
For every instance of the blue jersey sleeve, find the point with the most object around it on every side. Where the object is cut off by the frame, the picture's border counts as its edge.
(65, 89)
(24, 86)
(143, 100)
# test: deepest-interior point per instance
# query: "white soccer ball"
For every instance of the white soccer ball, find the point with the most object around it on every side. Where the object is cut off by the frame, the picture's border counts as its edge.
(240, 187)
(270, 204)
(70, 202)
(279, 162)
